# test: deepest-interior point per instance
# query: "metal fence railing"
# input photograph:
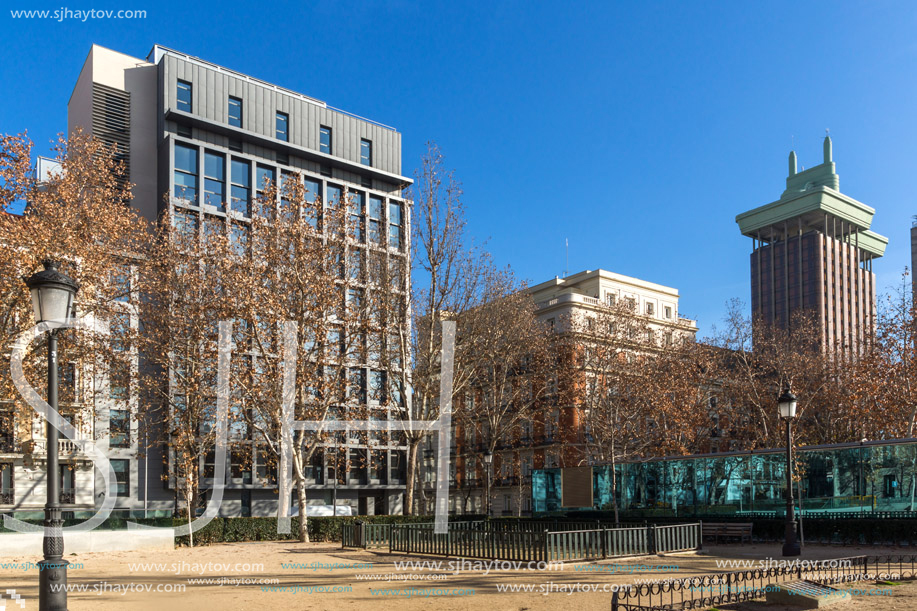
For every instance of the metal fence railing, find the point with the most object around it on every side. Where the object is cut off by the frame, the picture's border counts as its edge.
(715, 589)
(528, 542)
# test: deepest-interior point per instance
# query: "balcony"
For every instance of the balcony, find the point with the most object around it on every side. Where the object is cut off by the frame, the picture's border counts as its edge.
(6, 497)
(65, 447)
(67, 498)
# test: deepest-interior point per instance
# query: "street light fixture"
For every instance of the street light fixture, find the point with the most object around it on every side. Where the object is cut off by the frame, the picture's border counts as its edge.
(488, 460)
(786, 406)
(52, 301)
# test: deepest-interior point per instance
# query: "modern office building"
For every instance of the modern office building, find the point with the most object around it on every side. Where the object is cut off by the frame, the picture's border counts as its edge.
(813, 249)
(198, 141)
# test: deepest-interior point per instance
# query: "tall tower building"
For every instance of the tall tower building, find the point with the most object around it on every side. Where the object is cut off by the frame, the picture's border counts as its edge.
(914, 258)
(812, 249)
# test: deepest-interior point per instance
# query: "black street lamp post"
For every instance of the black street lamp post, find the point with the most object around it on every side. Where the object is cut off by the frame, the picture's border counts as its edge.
(787, 407)
(334, 502)
(52, 301)
(488, 462)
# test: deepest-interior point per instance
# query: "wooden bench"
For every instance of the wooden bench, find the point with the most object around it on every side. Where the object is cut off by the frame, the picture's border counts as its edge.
(728, 530)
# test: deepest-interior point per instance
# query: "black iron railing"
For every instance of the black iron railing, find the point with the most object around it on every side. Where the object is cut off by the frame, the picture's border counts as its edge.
(712, 590)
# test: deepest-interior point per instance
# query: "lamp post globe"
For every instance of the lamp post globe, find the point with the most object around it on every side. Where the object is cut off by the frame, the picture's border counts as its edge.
(786, 404)
(786, 407)
(53, 293)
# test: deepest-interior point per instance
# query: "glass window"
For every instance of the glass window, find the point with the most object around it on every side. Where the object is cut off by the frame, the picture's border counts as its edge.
(355, 299)
(122, 469)
(377, 386)
(119, 376)
(357, 201)
(215, 180)
(183, 100)
(313, 190)
(287, 187)
(265, 176)
(335, 193)
(394, 225)
(282, 126)
(186, 224)
(120, 326)
(375, 219)
(119, 428)
(186, 173)
(366, 152)
(240, 464)
(324, 143)
(238, 237)
(355, 265)
(357, 385)
(235, 112)
(6, 483)
(122, 284)
(241, 187)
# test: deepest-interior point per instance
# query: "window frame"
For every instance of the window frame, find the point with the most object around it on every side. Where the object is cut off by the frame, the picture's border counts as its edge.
(230, 119)
(285, 119)
(323, 147)
(179, 102)
(194, 173)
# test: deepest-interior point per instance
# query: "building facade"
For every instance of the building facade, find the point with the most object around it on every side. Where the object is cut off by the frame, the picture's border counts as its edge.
(198, 141)
(812, 249)
(557, 440)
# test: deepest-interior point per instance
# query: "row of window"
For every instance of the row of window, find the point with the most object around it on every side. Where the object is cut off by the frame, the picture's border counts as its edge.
(281, 123)
(353, 466)
(366, 220)
(121, 467)
(650, 308)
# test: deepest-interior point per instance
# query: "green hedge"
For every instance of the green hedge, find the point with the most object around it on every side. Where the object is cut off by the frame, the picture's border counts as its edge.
(225, 530)
(853, 531)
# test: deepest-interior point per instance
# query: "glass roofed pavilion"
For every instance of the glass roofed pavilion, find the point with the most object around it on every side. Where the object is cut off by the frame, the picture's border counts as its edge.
(812, 249)
(840, 479)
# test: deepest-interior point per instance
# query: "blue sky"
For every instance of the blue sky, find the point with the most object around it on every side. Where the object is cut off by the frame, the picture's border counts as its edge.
(637, 131)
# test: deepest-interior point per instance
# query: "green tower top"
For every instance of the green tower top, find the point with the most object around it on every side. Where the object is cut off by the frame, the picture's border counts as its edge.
(810, 196)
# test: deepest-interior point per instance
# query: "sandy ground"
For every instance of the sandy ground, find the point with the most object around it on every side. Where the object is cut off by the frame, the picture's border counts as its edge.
(106, 576)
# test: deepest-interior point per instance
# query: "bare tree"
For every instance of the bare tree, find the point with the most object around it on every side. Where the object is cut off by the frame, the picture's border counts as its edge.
(305, 264)
(77, 216)
(448, 279)
(186, 289)
(509, 355)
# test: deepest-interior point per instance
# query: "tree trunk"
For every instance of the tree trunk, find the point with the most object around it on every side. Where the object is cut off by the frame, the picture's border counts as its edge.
(303, 519)
(411, 475)
(299, 476)
(189, 501)
(614, 490)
